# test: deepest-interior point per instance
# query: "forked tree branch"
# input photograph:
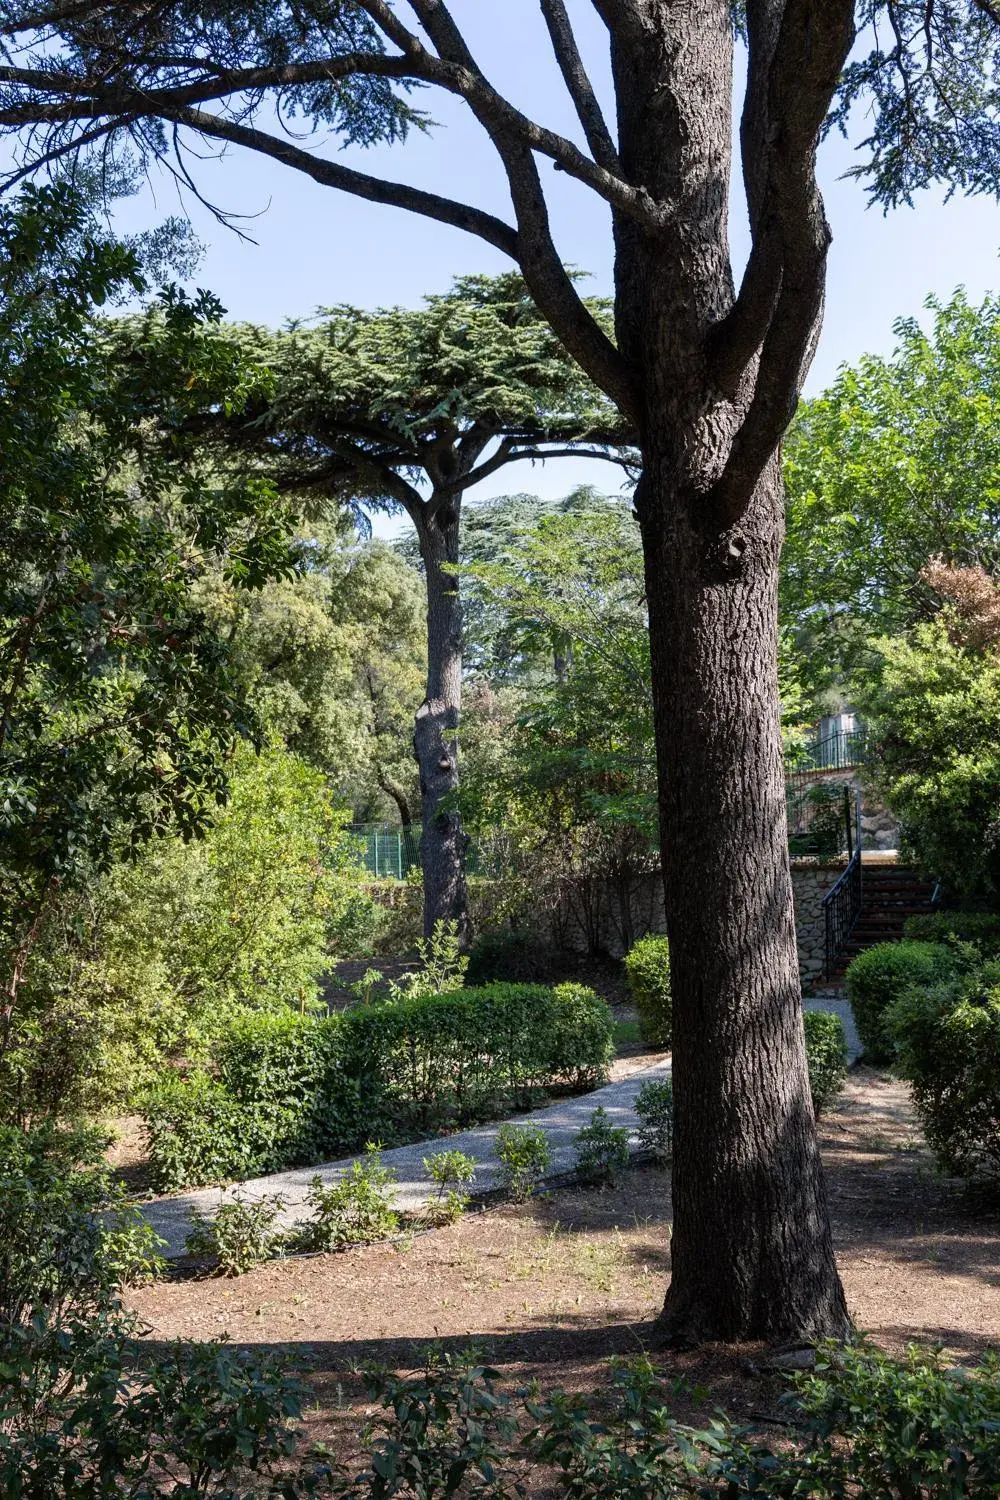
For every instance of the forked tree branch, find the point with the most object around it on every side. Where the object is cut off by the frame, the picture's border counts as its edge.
(796, 58)
(578, 83)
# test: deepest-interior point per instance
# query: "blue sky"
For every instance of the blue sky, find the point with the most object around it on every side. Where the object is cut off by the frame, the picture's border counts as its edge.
(313, 246)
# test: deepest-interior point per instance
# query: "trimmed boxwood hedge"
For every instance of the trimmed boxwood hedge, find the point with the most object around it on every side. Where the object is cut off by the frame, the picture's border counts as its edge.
(948, 1040)
(880, 975)
(294, 1090)
(979, 927)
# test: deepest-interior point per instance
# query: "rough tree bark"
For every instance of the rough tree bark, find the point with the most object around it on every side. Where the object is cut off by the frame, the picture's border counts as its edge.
(752, 1254)
(443, 841)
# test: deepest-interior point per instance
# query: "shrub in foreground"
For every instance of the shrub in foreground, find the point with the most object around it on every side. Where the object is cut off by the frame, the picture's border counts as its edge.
(948, 1040)
(879, 976)
(647, 969)
(654, 1105)
(601, 1149)
(293, 1090)
(861, 1426)
(826, 1055)
(525, 1156)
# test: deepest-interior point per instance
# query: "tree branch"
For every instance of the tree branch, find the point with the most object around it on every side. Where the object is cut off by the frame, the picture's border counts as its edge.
(359, 184)
(794, 64)
(578, 83)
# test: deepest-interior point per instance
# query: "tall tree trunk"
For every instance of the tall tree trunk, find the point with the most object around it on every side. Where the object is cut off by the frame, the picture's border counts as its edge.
(752, 1252)
(443, 841)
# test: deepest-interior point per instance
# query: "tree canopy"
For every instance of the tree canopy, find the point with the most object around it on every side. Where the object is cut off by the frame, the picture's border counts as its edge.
(118, 702)
(898, 462)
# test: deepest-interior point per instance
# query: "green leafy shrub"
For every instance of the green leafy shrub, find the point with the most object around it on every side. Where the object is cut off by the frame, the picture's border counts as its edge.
(601, 1149)
(948, 1041)
(979, 927)
(876, 979)
(161, 959)
(826, 1055)
(356, 1210)
(450, 1433)
(442, 965)
(450, 1171)
(197, 1133)
(295, 1089)
(525, 1156)
(876, 1426)
(647, 969)
(654, 1104)
(863, 1425)
(239, 1236)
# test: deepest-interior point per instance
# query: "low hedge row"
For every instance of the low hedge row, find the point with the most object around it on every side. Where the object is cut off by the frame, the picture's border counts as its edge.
(979, 927)
(293, 1090)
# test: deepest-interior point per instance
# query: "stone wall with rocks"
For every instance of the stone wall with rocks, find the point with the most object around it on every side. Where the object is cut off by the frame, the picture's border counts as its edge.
(879, 829)
(600, 918)
(811, 880)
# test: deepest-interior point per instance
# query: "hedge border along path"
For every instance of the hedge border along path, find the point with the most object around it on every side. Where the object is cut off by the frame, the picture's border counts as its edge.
(170, 1217)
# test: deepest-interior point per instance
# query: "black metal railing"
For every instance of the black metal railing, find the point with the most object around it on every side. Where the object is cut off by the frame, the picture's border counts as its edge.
(836, 752)
(842, 903)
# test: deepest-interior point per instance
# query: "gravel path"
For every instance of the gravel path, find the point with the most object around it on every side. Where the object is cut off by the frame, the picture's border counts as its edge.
(170, 1217)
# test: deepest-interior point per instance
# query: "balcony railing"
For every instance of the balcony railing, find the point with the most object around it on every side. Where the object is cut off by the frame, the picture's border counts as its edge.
(835, 752)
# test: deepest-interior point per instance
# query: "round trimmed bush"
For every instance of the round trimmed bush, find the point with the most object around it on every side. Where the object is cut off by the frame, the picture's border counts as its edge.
(948, 1039)
(877, 978)
(647, 969)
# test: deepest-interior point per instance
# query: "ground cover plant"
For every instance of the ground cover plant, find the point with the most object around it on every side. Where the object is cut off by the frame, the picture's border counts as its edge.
(296, 1089)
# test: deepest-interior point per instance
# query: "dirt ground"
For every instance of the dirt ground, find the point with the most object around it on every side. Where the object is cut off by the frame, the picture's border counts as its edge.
(550, 1290)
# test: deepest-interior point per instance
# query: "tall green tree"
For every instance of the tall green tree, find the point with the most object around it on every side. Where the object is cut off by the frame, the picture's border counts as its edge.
(402, 409)
(333, 661)
(898, 462)
(705, 370)
(118, 702)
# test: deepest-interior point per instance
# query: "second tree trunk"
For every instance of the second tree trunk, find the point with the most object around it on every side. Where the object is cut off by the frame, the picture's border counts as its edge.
(443, 841)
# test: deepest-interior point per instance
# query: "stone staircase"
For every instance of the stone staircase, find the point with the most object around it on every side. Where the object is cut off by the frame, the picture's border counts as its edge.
(890, 894)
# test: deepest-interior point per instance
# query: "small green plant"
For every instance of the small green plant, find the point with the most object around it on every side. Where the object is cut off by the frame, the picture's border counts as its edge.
(356, 1210)
(450, 1432)
(525, 1157)
(647, 969)
(826, 1055)
(442, 965)
(364, 988)
(239, 1237)
(601, 1149)
(131, 1248)
(450, 1170)
(654, 1104)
